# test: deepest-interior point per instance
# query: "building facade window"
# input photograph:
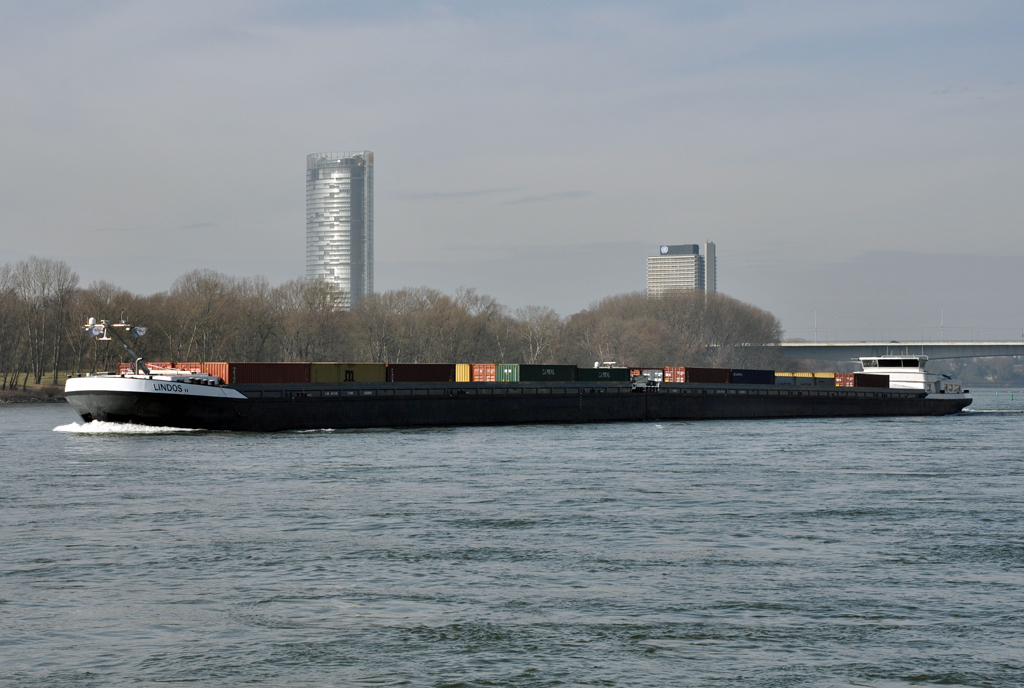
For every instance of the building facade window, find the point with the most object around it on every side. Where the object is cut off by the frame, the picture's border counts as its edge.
(339, 222)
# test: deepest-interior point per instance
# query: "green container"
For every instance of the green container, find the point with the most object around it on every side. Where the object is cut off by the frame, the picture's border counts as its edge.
(507, 372)
(547, 373)
(602, 374)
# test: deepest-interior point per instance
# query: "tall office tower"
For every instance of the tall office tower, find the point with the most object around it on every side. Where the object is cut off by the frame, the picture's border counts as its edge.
(682, 268)
(710, 268)
(339, 222)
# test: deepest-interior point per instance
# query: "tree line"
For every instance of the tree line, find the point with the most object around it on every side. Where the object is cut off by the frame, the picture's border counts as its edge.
(209, 316)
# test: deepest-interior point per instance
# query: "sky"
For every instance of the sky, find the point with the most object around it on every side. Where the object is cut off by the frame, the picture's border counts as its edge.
(858, 165)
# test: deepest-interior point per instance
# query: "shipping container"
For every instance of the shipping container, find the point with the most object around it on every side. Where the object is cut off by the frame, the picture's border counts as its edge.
(421, 372)
(675, 374)
(483, 372)
(824, 379)
(258, 373)
(347, 372)
(844, 379)
(220, 370)
(803, 378)
(752, 377)
(870, 380)
(547, 373)
(654, 374)
(602, 374)
(462, 372)
(507, 372)
(784, 378)
(718, 376)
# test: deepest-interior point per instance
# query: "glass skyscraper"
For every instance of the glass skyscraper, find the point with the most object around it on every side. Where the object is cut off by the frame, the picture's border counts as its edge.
(339, 222)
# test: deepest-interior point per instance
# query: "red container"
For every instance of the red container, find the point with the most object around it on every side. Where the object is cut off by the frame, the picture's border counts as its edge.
(870, 380)
(844, 379)
(717, 376)
(483, 372)
(217, 370)
(421, 372)
(257, 373)
(675, 374)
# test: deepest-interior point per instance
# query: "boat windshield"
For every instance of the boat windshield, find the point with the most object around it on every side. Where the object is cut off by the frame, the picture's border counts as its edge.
(891, 362)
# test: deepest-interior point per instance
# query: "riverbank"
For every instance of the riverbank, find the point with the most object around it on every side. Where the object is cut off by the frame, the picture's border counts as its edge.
(48, 394)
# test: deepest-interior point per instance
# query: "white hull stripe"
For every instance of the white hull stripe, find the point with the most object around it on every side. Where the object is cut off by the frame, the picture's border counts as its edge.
(143, 385)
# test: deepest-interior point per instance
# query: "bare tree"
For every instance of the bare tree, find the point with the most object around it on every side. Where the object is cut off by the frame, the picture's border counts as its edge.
(538, 329)
(207, 316)
(310, 314)
(259, 313)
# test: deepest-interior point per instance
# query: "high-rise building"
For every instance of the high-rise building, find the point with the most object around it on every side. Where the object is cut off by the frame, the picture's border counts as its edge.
(339, 222)
(682, 268)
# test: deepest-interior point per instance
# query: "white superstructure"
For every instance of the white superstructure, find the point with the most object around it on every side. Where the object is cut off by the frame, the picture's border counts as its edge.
(908, 372)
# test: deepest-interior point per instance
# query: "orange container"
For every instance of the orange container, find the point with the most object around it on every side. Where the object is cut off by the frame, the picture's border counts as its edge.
(675, 374)
(217, 370)
(483, 372)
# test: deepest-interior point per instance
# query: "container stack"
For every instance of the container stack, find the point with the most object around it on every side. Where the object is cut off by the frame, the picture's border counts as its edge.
(483, 372)
(674, 374)
(340, 373)
(547, 373)
(258, 373)
(348, 372)
(421, 372)
(708, 376)
(752, 377)
(824, 379)
(602, 374)
(508, 372)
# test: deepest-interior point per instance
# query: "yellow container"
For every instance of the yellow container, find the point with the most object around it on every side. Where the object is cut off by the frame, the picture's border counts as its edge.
(462, 372)
(777, 374)
(824, 375)
(803, 374)
(347, 372)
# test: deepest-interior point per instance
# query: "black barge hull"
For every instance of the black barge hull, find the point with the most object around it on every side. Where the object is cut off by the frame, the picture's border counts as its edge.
(303, 407)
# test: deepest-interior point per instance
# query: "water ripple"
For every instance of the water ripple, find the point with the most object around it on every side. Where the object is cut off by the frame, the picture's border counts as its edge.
(838, 552)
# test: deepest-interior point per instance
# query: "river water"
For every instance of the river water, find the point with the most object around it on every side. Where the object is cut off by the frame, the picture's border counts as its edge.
(839, 552)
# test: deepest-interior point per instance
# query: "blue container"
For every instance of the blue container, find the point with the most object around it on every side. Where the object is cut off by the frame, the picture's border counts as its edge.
(752, 377)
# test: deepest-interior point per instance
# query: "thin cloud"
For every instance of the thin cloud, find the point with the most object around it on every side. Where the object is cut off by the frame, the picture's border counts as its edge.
(557, 196)
(120, 230)
(444, 195)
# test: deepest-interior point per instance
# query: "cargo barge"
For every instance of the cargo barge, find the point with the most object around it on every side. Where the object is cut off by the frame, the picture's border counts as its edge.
(190, 402)
(264, 397)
